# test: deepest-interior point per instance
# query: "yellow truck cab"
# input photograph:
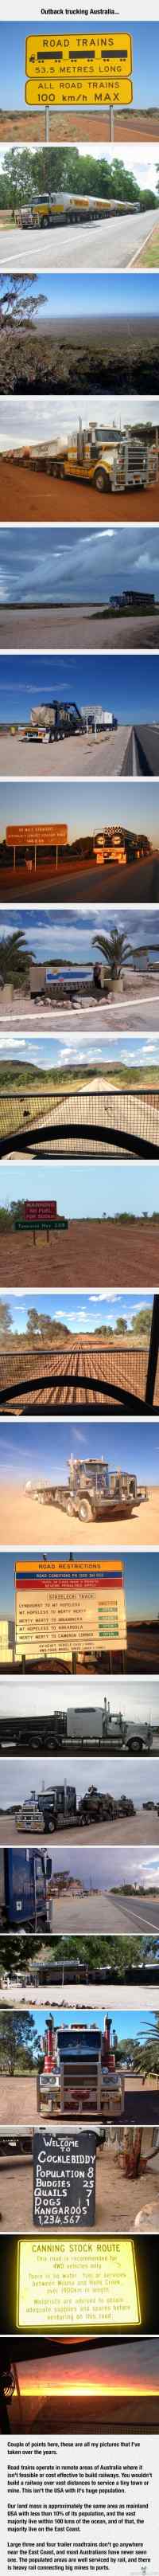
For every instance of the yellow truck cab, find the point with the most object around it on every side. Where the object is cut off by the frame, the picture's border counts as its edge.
(88, 464)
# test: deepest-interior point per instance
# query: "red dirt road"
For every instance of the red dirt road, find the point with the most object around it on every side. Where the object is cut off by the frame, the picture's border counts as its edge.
(90, 1255)
(84, 1374)
(26, 495)
(78, 128)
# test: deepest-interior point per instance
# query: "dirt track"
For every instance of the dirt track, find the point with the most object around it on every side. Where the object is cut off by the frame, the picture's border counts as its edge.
(76, 628)
(26, 495)
(29, 1520)
(76, 756)
(90, 1255)
(83, 1374)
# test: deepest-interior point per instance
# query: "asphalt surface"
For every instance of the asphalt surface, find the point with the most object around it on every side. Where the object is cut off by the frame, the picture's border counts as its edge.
(103, 1015)
(75, 628)
(107, 1914)
(145, 750)
(84, 883)
(111, 242)
(79, 757)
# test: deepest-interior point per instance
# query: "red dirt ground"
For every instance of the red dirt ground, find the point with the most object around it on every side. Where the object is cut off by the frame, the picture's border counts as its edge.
(78, 128)
(90, 1255)
(26, 496)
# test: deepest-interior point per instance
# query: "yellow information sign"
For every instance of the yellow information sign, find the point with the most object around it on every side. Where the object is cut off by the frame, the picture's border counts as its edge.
(89, 70)
(75, 2284)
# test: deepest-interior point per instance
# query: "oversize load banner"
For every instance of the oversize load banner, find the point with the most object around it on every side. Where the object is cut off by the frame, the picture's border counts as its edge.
(89, 70)
(77, 2284)
(52, 1570)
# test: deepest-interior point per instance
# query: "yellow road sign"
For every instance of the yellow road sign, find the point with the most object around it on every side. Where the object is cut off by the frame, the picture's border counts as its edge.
(70, 70)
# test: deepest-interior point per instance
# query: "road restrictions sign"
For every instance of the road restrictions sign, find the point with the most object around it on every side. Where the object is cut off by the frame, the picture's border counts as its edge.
(89, 70)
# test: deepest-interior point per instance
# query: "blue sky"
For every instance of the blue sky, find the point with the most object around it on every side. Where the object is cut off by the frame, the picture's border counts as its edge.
(140, 1778)
(69, 933)
(141, 1579)
(92, 298)
(145, 38)
(77, 564)
(80, 1313)
(127, 683)
(41, 1450)
(46, 1052)
(85, 807)
(128, 2024)
(72, 1185)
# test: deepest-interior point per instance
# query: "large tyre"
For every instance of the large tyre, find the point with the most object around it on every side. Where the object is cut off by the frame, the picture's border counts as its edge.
(102, 480)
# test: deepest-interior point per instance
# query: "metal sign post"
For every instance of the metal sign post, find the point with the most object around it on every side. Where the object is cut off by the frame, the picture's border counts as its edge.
(111, 125)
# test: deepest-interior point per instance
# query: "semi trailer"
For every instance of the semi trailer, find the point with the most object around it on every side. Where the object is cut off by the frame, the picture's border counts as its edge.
(109, 461)
(75, 1727)
(66, 207)
(58, 1807)
(120, 849)
(92, 1493)
(61, 720)
(102, 1727)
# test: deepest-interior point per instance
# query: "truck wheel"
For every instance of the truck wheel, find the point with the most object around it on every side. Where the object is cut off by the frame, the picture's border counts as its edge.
(102, 480)
(85, 1513)
(136, 1747)
(60, 471)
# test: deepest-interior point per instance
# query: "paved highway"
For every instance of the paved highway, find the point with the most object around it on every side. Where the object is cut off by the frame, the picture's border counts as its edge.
(114, 242)
(83, 882)
(50, 627)
(107, 1914)
(145, 750)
